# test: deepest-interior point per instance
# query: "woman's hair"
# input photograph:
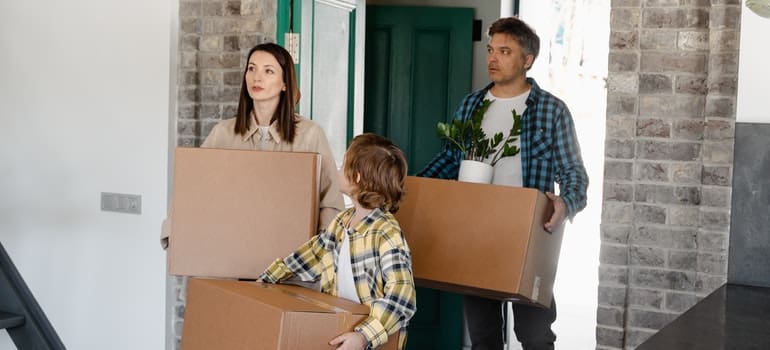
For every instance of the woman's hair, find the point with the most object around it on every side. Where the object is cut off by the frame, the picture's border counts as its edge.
(381, 166)
(519, 31)
(284, 116)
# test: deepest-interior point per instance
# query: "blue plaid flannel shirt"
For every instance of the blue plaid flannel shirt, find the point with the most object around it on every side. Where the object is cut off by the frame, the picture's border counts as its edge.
(549, 148)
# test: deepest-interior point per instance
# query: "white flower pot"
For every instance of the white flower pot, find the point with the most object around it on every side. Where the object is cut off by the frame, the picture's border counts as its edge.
(475, 171)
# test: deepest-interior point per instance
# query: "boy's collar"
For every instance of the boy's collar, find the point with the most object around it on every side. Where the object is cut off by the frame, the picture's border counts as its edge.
(366, 221)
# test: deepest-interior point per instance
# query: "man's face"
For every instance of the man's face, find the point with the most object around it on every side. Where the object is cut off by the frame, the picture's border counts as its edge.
(506, 62)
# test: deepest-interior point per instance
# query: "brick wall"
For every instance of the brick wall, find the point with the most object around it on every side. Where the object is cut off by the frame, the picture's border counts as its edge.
(668, 162)
(214, 38)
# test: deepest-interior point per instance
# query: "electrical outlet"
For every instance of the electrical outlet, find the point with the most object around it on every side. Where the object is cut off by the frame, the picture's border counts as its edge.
(291, 40)
(121, 203)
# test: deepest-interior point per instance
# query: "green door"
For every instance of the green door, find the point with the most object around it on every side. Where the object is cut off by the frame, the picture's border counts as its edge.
(418, 68)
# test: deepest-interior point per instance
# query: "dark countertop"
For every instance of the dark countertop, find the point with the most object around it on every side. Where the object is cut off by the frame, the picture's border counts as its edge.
(732, 317)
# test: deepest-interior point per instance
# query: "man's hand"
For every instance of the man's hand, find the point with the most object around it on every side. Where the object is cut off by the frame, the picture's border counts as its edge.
(349, 341)
(559, 212)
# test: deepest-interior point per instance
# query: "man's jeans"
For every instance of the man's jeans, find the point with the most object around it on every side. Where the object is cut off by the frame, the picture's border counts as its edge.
(486, 325)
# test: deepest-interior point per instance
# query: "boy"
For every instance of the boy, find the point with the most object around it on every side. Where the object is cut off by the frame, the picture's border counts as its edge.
(363, 256)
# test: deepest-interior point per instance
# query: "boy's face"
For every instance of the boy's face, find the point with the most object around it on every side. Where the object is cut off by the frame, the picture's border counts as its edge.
(345, 186)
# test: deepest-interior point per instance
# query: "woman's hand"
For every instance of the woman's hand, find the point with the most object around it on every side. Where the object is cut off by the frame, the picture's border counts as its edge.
(349, 341)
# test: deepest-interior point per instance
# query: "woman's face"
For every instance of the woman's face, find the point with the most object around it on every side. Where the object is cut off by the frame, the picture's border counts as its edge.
(264, 77)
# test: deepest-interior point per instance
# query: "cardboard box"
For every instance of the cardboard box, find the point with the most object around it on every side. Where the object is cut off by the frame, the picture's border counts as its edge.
(236, 211)
(237, 315)
(479, 239)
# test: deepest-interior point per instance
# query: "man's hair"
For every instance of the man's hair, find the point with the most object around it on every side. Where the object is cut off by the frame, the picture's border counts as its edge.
(519, 31)
(382, 168)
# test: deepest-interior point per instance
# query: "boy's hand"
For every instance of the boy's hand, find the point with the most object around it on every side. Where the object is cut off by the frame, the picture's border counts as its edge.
(349, 341)
(559, 212)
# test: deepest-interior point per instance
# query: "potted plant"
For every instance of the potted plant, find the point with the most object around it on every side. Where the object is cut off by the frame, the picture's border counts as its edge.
(476, 147)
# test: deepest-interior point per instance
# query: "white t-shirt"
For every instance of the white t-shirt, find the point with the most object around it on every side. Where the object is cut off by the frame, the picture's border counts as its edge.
(346, 286)
(500, 119)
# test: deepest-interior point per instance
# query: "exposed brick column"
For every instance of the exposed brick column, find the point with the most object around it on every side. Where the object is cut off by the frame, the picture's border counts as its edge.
(668, 162)
(214, 37)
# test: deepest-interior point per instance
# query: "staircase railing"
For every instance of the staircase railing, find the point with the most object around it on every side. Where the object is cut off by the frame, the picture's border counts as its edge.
(20, 314)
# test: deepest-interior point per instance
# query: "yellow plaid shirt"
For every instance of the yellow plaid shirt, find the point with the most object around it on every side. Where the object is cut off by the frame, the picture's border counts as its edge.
(382, 271)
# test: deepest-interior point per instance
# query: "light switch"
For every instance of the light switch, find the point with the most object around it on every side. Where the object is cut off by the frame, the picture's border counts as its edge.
(121, 203)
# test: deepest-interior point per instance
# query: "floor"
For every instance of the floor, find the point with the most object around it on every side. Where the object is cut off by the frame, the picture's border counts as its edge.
(732, 317)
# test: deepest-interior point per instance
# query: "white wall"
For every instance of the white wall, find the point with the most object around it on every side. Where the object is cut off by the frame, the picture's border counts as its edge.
(753, 69)
(84, 91)
(578, 77)
(487, 11)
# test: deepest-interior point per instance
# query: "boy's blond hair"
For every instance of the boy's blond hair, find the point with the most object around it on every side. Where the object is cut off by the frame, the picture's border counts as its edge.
(382, 168)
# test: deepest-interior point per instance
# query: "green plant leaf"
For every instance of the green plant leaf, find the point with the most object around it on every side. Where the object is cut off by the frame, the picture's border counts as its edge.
(469, 137)
(516, 129)
(443, 130)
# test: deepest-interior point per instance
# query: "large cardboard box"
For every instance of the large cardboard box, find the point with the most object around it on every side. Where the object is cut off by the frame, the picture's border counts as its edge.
(237, 315)
(235, 211)
(480, 239)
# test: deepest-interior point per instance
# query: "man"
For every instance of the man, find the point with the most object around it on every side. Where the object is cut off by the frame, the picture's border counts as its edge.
(549, 154)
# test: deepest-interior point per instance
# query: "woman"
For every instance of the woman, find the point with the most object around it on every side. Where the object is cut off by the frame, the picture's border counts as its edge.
(266, 121)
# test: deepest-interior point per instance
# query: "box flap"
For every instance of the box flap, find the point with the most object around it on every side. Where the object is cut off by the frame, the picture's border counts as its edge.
(325, 300)
(542, 255)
